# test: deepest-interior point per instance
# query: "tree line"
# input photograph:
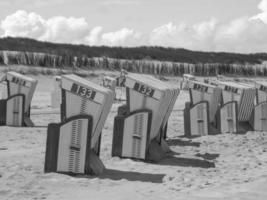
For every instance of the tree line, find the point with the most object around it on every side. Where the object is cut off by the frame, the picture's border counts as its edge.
(134, 53)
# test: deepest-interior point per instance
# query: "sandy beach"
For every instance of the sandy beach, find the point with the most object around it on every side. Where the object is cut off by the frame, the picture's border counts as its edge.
(225, 166)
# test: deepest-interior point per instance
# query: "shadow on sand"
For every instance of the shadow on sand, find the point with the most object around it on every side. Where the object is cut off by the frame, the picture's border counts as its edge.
(186, 162)
(131, 176)
(179, 142)
(208, 156)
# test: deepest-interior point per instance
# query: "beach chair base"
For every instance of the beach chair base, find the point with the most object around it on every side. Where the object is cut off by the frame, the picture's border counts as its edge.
(68, 147)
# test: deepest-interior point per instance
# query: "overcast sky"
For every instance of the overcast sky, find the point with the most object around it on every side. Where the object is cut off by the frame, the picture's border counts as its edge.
(209, 25)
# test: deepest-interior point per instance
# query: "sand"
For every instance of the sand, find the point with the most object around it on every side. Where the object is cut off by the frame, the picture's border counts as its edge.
(229, 166)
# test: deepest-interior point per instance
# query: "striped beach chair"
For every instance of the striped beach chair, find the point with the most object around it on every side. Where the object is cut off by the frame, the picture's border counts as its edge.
(15, 110)
(140, 124)
(259, 115)
(200, 112)
(237, 107)
(73, 146)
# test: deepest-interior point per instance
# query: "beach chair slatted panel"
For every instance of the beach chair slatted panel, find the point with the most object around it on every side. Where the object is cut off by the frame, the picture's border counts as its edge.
(131, 134)
(15, 110)
(196, 119)
(68, 146)
(228, 117)
(261, 92)
(259, 117)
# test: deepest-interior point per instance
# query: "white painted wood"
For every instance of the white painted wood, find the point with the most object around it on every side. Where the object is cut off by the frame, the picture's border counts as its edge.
(228, 118)
(260, 117)
(199, 120)
(56, 92)
(206, 92)
(72, 134)
(135, 136)
(14, 113)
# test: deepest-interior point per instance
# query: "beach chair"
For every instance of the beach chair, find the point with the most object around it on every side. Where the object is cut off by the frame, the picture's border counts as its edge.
(140, 126)
(109, 82)
(200, 112)
(258, 118)
(56, 93)
(237, 107)
(73, 146)
(186, 79)
(15, 110)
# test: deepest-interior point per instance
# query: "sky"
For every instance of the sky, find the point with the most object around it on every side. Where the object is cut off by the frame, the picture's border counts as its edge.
(207, 25)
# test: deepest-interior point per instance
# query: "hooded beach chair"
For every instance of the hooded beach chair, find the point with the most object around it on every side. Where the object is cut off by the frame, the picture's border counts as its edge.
(15, 110)
(109, 82)
(238, 104)
(139, 127)
(73, 146)
(200, 112)
(258, 118)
